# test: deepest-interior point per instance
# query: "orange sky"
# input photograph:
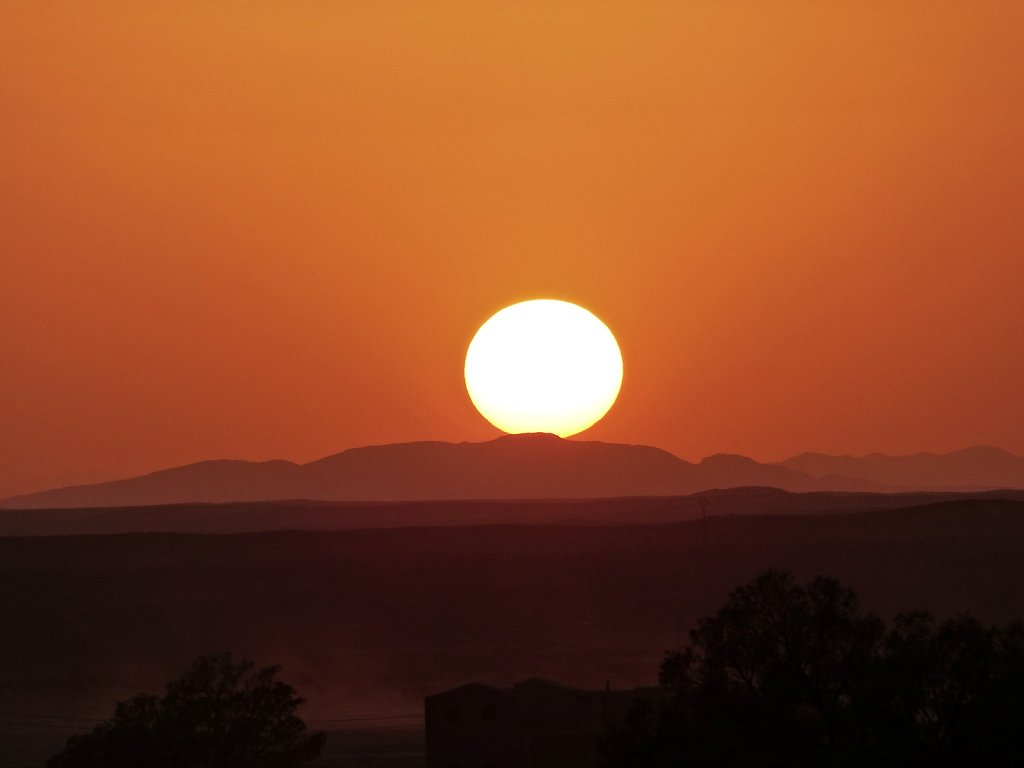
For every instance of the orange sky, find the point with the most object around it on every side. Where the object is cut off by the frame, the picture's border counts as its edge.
(270, 229)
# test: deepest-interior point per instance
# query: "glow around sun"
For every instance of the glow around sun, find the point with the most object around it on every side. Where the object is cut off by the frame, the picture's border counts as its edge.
(543, 366)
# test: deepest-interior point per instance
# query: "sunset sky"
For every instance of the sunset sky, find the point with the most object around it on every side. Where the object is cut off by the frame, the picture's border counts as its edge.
(270, 229)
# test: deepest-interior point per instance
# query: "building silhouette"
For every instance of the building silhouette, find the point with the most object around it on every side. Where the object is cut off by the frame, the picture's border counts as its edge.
(537, 723)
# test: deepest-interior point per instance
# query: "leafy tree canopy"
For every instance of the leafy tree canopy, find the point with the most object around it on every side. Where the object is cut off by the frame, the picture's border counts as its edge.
(790, 674)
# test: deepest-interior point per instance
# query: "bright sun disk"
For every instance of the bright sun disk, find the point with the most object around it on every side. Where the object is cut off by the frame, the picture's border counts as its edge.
(543, 366)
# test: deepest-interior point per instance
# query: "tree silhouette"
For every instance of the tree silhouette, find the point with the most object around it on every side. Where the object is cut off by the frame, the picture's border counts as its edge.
(219, 714)
(790, 674)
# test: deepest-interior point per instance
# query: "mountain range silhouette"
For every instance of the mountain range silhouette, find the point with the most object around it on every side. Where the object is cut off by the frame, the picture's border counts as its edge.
(531, 466)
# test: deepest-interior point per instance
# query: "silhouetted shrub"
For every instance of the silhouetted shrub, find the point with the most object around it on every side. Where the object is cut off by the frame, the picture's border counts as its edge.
(219, 714)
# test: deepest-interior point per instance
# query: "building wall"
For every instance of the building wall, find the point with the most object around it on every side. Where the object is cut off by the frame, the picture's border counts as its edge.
(473, 727)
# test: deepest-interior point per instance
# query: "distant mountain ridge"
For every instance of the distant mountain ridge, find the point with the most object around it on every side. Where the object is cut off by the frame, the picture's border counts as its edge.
(534, 466)
(977, 468)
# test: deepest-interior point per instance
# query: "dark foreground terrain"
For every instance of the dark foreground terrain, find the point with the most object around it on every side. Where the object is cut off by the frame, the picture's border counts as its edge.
(365, 622)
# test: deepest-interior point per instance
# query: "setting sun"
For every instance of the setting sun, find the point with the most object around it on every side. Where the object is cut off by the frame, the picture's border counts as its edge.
(543, 366)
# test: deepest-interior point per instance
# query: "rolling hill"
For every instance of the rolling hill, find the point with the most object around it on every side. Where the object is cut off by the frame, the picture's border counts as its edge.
(511, 467)
(534, 466)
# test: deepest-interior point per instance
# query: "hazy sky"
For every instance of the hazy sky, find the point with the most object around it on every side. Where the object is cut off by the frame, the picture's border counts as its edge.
(270, 229)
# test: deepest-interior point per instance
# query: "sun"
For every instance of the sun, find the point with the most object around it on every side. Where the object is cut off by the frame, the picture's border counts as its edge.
(543, 366)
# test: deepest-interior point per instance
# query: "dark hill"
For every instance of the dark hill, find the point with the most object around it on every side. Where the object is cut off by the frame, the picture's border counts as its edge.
(256, 516)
